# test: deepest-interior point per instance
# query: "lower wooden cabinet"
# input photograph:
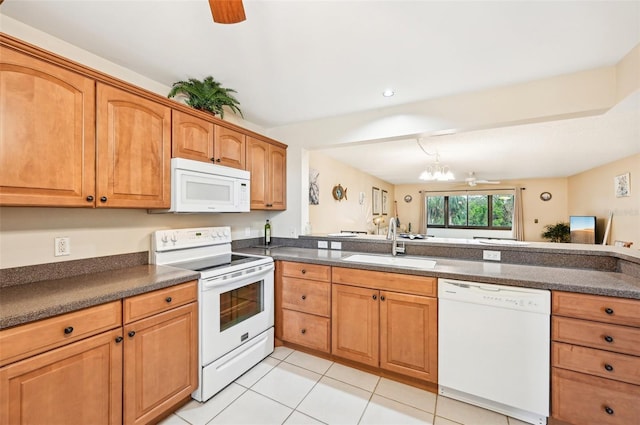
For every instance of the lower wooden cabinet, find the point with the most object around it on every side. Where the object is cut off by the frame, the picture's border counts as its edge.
(80, 383)
(160, 363)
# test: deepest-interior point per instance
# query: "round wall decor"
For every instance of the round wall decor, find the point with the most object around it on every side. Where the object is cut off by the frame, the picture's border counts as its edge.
(545, 196)
(339, 193)
(408, 198)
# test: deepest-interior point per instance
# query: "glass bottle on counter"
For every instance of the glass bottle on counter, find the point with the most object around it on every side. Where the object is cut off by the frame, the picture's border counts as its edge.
(267, 233)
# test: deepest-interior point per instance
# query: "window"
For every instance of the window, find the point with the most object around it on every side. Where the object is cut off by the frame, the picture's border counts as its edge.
(471, 211)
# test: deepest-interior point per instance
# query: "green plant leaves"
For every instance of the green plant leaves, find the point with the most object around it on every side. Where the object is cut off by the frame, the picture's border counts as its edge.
(206, 95)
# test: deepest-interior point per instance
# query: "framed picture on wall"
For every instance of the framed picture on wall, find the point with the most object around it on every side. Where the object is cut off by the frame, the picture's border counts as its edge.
(622, 185)
(385, 202)
(375, 201)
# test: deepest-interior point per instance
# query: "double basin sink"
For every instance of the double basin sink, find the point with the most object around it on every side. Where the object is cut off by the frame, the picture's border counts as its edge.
(388, 260)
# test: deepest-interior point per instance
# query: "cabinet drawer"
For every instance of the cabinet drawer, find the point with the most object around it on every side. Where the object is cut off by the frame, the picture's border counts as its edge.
(145, 305)
(596, 307)
(306, 271)
(307, 296)
(405, 283)
(27, 340)
(306, 329)
(587, 400)
(621, 339)
(620, 367)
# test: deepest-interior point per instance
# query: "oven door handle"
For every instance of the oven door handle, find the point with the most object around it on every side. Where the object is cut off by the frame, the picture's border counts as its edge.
(221, 281)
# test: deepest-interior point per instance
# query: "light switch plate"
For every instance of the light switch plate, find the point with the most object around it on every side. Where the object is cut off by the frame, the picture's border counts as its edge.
(336, 245)
(323, 244)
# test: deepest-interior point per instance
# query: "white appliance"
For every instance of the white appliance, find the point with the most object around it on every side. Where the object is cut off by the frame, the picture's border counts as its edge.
(235, 300)
(493, 347)
(198, 187)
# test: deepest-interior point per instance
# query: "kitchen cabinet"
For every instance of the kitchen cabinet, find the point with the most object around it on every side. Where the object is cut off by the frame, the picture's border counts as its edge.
(201, 140)
(47, 136)
(595, 359)
(268, 166)
(385, 320)
(66, 369)
(160, 352)
(304, 305)
(133, 150)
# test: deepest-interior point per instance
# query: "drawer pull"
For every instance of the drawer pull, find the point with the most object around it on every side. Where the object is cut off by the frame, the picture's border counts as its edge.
(382, 298)
(303, 331)
(608, 367)
(119, 339)
(608, 338)
(68, 330)
(608, 310)
(608, 410)
(304, 297)
(131, 334)
(375, 297)
(303, 271)
(168, 299)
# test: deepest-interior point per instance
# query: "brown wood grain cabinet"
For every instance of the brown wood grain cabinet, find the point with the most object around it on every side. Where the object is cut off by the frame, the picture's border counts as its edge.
(133, 150)
(376, 324)
(229, 147)
(595, 359)
(47, 136)
(268, 166)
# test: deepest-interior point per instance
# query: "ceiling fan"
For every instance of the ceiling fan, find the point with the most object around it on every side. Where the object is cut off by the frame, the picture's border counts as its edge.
(227, 11)
(472, 180)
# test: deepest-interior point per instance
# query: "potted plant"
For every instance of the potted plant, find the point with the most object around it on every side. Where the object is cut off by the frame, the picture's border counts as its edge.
(559, 232)
(206, 95)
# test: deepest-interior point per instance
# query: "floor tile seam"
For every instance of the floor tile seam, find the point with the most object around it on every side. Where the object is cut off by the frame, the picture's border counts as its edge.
(262, 377)
(310, 370)
(447, 419)
(365, 408)
(229, 404)
(410, 405)
(349, 384)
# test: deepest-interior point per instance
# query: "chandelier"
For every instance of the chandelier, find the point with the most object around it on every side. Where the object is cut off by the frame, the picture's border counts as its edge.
(437, 172)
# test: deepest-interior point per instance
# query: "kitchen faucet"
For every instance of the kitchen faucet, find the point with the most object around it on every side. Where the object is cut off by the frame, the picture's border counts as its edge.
(392, 234)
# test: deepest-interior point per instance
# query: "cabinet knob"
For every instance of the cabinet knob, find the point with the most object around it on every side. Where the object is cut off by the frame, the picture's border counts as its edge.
(608, 367)
(381, 297)
(304, 297)
(119, 339)
(103, 199)
(90, 198)
(608, 310)
(375, 297)
(608, 410)
(131, 334)
(68, 330)
(608, 338)
(168, 299)
(217, 159)
(303, 331)
(269, 205)
(303, 271)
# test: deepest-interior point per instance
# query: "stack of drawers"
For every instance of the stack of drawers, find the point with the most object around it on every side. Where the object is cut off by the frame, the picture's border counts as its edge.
(306, 305)
(595, 359)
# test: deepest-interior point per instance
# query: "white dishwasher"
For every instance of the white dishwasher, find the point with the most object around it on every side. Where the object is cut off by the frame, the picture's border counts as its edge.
(493, 347)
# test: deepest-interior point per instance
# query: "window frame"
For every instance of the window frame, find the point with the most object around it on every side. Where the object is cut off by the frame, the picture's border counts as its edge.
(447, 225)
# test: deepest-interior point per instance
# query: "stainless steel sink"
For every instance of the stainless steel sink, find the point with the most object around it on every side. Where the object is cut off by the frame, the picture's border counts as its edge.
(388, 260)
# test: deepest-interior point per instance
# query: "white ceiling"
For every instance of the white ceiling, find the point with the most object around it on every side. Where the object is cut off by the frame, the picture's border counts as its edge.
(294, 61)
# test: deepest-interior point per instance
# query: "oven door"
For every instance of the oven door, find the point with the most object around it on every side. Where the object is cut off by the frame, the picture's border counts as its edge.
(234, 308)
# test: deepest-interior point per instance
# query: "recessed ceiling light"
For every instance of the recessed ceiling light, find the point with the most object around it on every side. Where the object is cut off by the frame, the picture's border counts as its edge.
(388, 93)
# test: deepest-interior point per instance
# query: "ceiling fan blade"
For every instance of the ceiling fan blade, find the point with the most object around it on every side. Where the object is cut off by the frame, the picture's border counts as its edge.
(487, 181)
(227, 11)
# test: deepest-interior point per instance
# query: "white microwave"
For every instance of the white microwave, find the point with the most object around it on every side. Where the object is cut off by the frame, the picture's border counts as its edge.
(198, 187)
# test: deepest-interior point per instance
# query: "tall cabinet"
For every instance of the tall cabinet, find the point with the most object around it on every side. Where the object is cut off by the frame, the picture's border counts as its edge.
(268, 165)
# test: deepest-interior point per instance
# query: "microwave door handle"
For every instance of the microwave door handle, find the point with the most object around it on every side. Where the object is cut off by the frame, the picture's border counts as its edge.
(212, 283)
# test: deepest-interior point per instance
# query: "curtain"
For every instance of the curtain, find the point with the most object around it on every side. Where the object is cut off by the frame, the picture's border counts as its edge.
(422, 228)
(518, 213)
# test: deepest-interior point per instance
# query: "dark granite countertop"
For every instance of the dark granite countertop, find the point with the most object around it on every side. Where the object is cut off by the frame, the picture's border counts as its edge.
(586, 281)
(38, 300)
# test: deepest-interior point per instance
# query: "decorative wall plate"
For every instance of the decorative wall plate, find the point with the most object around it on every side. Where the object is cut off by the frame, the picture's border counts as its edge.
(339, 193)
(408, 198)
(545, 196)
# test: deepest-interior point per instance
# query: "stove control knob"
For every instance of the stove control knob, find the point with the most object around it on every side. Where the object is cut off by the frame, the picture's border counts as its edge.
(219, 233)
(226, 233)
(164, 238)
(174, 237)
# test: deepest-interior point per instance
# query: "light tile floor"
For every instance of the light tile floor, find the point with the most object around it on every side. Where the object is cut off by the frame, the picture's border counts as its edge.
(291, 387)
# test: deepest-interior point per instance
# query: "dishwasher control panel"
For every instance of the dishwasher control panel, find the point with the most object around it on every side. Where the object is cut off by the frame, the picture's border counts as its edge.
(512, 297)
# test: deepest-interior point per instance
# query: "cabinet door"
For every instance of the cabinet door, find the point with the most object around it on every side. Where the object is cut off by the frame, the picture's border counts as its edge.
(134, 151)
(258, 165)
(408, 335)
(229, 148)
(160, 363)
(80, 383)
(47, 134)
(277, 178)
(192, 137)
(355, 323)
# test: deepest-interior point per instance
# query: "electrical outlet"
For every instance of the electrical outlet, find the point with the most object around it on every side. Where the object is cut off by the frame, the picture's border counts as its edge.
(323, 244)
(491, 255)
(336, 245)
(62, 246)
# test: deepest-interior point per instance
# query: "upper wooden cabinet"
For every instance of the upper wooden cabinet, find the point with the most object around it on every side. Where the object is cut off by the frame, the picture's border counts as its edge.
(201, 140)
(133, 150)
(47, 137)
(268, 166)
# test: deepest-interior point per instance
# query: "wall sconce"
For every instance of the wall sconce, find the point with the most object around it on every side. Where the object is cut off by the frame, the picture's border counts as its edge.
(378, 221)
